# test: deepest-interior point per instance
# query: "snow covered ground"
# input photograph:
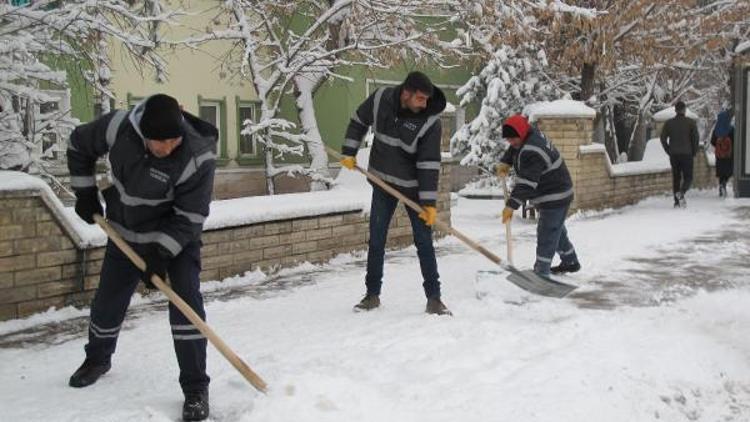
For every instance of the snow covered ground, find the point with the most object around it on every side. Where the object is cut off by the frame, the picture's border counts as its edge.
(658, 331)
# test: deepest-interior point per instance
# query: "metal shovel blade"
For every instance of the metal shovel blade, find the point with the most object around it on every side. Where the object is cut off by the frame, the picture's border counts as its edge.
(527, 280)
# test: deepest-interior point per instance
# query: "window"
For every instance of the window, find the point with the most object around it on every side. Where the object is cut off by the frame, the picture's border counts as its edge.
(248, 144)
(19, 2)
(214, 112)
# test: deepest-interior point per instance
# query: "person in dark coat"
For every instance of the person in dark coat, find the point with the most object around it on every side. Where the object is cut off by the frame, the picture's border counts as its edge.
(542, 178)
(405, 154)
(679, 138)
(163, 162)
(722, 139)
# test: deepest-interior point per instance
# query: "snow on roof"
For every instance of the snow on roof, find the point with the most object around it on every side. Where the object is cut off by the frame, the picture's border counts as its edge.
(558, 108)
(669, 112)
(742, 47)
(352, 193)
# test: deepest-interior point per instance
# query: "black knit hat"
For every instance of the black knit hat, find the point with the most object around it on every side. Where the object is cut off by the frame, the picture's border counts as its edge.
(162, 118)
(418, 81)
(509, 132)
(679, 107)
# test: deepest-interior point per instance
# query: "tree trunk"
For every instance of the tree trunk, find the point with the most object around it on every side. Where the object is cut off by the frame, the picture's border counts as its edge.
(588, 78)
(270, 186)
(304, 90)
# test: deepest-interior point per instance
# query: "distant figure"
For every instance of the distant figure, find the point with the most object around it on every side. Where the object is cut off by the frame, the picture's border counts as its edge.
(722, 139)
(679, 137)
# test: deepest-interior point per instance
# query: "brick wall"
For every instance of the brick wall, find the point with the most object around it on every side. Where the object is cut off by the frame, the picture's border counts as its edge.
(41, 267)
(596, 186)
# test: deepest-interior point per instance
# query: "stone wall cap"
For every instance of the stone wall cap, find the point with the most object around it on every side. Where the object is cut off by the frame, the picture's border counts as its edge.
(567, 109)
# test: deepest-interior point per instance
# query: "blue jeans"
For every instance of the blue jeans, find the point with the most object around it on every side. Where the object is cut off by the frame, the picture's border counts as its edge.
(381, 211)
(551, 237)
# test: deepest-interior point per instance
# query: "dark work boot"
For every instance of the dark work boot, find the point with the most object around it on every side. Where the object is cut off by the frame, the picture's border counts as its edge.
(566, 268)
(88, 373)
(436, 307)
(677, 200)
(196, 406)
(683, 202)
(368, 303)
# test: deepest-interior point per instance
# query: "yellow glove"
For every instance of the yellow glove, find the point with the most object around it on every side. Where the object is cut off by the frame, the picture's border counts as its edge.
(502, 170)
(507, 214)
(348, 162)
(429, 215)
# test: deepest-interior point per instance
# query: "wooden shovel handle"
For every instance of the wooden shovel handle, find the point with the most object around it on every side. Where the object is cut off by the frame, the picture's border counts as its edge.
(186, 310)
(413, 205)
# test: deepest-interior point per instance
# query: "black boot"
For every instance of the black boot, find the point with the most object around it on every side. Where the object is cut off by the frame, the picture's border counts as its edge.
(368, 303)
(566, 268)
(88, 373)
(436, 307)
(196, 406)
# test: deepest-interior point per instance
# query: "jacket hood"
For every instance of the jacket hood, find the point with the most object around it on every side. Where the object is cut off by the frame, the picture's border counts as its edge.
(435, 105)
(520, 124)
(723, 124)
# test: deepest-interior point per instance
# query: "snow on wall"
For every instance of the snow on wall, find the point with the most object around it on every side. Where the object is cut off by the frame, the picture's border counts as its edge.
(352, 193)
(669, 113)
(742, 47)
(558, 108)
(655, 160)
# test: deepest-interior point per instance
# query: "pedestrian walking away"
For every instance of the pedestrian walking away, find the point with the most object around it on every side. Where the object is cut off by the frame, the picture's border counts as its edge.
(722, 139)
(163, 161)
(405, 154)
(679, 138)
(542, 178)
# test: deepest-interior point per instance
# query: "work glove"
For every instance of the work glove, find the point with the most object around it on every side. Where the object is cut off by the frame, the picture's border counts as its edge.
(502, 170)
(157, 259)
(428, 214)
(507, 214)
(348, 161)
(87, 204)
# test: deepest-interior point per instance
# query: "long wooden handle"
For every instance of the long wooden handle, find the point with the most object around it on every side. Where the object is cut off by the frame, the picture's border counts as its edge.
(413, 205)
(508, 236)
(186, 310)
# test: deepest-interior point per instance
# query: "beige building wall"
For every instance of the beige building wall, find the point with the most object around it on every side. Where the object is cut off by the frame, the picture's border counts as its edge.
(197, 80)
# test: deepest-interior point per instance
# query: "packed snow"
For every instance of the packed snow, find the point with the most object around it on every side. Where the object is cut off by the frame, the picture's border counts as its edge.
(656, 331)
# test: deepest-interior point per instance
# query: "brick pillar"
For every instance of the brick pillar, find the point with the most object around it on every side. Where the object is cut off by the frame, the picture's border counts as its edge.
(568, 134)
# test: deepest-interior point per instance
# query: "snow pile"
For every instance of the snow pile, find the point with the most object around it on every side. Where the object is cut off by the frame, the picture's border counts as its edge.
(668, 113)
(655, 160)
(559, 109)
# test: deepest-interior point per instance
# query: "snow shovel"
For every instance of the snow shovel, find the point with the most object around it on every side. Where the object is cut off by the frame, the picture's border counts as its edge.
(186, 310)
(526, 280)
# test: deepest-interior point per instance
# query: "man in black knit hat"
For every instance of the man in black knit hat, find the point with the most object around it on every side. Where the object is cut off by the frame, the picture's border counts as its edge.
(163, 162)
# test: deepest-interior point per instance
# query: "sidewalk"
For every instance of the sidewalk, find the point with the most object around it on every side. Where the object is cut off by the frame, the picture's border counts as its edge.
(657, 330)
